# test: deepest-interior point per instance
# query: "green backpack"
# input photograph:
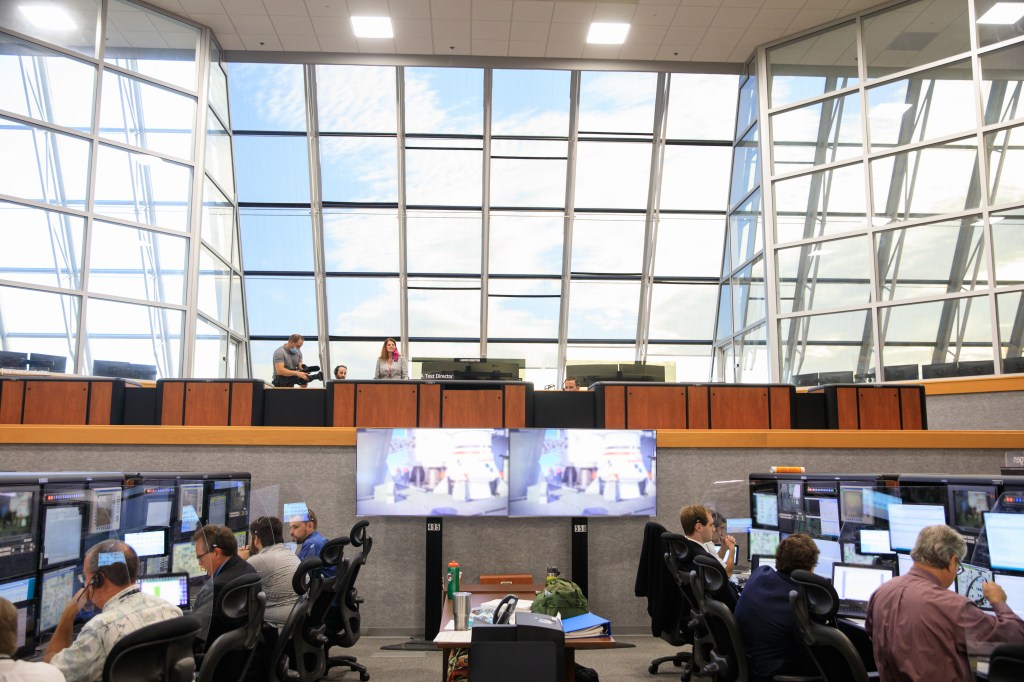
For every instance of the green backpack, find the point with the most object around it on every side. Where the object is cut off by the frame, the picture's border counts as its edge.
(560, 596)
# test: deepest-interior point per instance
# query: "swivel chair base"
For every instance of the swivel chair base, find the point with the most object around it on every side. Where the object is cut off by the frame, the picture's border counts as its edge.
(350, 663)
(681, 659)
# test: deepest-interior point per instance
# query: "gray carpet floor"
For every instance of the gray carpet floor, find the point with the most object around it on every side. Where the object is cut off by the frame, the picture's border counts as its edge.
(612, 665)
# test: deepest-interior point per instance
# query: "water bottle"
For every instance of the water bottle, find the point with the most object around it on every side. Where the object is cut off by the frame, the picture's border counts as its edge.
(453, 579)
(552, 576)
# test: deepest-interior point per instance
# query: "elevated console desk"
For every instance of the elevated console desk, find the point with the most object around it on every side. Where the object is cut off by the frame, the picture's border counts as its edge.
(75, 400)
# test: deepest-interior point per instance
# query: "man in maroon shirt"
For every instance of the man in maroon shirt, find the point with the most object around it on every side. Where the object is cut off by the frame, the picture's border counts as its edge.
(920, 630)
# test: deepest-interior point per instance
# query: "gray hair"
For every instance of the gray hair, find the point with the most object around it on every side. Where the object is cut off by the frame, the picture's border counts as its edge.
(936, 545)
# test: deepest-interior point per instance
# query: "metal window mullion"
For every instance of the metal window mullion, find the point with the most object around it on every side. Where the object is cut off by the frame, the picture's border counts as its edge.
(651, 219)
(316, 215)
(403, 246)
(764, 138)
(570, 200)
(485, 216)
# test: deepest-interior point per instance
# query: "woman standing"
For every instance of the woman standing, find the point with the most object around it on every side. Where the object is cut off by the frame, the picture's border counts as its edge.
(391, 364)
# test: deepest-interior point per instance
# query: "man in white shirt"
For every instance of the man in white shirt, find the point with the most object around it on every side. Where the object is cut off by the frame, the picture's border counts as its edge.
(24, 671)
(110, 569)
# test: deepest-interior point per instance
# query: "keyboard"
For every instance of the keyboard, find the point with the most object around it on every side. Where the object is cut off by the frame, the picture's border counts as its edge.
(853, 609)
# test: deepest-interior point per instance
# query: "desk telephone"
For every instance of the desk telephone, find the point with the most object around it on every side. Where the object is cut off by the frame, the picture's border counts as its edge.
(506, 607)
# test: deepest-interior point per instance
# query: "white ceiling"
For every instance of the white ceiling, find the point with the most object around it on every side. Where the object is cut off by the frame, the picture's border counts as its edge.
(669, 30)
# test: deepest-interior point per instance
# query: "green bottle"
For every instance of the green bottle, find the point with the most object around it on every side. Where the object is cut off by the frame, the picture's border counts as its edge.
(453, 579)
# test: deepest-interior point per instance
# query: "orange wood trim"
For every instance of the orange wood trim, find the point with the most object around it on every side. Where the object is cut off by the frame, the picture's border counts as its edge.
(910, 402)
(656, 407)
(386, 405)
(698, 399)
(614, 407)
(739, 407)
(12, 397)
(781, 416)
(101, 395)
(430, 406)
(172, 401)
(56, 402)
(879, 408)
(241, 404)
(480, 408)
(206, 403)
(515, 407)
(344, 404)
(846, 408)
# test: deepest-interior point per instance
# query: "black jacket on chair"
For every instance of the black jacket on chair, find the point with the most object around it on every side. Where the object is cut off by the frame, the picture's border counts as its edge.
(207, 597)
(654, 582)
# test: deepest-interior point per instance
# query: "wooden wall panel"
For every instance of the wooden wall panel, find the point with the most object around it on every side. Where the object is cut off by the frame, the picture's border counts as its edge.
(386, 405)
(781, 407)
(478, 408)
(879, 408)
(56, 402)
(12, 397)
(172, 403)
(344, 404)
(207, 403)
(614, 407)
(698, 398)
(430, 406)
(739, 407)
(910, 404)
(101, 395)
(847, 412)
(515, 406)
(241, 404)
(656, 407)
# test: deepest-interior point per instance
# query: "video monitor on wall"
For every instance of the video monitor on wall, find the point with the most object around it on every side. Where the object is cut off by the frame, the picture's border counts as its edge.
(1004, 533)
(968, 504)
(907, 520)
(582, 472)
(431, 472)
(19, 535)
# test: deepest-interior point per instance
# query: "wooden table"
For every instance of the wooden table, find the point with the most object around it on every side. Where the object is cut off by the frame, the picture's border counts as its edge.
(485, 593)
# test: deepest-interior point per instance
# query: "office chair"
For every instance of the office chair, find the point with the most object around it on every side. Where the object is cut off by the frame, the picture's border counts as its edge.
(243, 603)
(343, 621)
(678, 560)
(513, 661)
(727, 657)
(664, 604)
(1006, 664)
(299, 651)
(814, 601)
(161, 651)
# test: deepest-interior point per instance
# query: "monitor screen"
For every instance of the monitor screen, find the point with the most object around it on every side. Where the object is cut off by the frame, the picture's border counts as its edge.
(158, 512)
(10, 359)
(907, 520)
(1005, 534)
(738, 524)
(241, 537)
(968, 584)
(48, 363)
(22, 594)
(967, 504)
(854, 501)
(852, 556)
(766, 509)
(431, 472)
(148, 543)
(829, 553)
(190, 505)
(790, 498)
(1013, 585)
(759, 560)
(905, 563)
(877, 504)
(62, 534)
(183, 559)
(171, 588)
(218, 512)
(581, 472)
(18, 533)
(826, 510)
(56, 590)
(874, 541)
(858, 583)
(763, 541)
(106, 510)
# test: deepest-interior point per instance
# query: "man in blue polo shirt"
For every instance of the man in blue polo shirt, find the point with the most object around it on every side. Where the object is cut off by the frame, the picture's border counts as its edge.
(302, 527)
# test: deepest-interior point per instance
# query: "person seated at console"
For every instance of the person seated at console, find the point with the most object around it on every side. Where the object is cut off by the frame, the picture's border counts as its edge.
(217, 552)
(570, 384)
(391, 364)
(275, 564)
(341, 372)
(698, 527)
(110, 570)
(303, 529)
(920, 630)
(765, 617)
(19, 670)
(288, 367)
(722, 545)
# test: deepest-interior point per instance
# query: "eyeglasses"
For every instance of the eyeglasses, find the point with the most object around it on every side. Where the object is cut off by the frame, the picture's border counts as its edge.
(208, 551)
(959, 567)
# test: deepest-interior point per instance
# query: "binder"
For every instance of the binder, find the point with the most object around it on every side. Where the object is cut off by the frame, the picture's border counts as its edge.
(586, 625)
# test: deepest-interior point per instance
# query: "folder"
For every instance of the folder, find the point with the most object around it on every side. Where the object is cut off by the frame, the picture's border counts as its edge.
(586, 625)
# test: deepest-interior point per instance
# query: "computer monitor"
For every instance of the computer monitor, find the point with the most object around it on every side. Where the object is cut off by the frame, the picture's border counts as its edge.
(142, 372)
(56, 589)
(183, 560)
(835, 378)
(48, 363)
(738, 524)
(766, 509)
(432, 472)
(1013, 365)
(190, 505)
(237, 492)
(901, 373)
(970, 368)
(1005, 535)
(582, 472)
(1013, 585)
(471, 369)
(873, 541)
(218, 512)
(877, 503)
(172, 588)
(967, 504)
(763, 541)
(19, 535)
(111, 368)
(854, 503)
(855, 583)
(905, 563)
(759, 560)
(790, 497)
(22, 594)
(826, 510)
(242, 537)
(852, 556)
(907, 520)
(969, 582)
(148, 543)
(63, 527)
(13, 360)
(106, 510)
(829, 552)
(158, 511)
(939, 370)
(806, 379)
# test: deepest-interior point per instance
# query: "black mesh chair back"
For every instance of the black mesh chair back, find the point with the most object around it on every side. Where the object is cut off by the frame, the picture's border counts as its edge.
(833, 653)
(677, 560)
(161, 652)
(299, 651)
(727, 657)
(1006, 663)
(241, 603)
(343, 619)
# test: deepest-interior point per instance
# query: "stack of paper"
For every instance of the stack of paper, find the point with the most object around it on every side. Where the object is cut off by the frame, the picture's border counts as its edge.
(586, 625)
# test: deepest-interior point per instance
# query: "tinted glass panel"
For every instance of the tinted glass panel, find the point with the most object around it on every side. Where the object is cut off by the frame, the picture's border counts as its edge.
(930, 260)
(218, 153)
(612, 174)
(822, 203)
(1005, 150)
(142, 115)
(937, 333)
(456, 235)
(356, 99)
(267, 97)
(363, 306)
(913, 34)
(72, 26)
(701, 106)
(445, 308)
(1002, 78)
(841, 342)
(608, 243)
(698, 300)
(617, 102)
(142, 188)
(926, 182)
(812, 66)
(44, 84)
(278, 239)
(1008, 247)
(360, 240)
(134, 263)
(285, 180)
(818, 133)
(530, 103)
(40, 322)
(689, 245)
(138, 334)
(218, 219)
(281, 306)
(523, 308)
(359, 169)
(824, 275)
(695, 178)
(439, 100)
(603, 310)
(214, 286)
(56, 165)
(528, 243)
(49, 246)
(150, 43)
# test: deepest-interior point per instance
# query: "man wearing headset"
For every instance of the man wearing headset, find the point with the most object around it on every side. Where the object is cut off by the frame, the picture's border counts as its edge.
(110, 570)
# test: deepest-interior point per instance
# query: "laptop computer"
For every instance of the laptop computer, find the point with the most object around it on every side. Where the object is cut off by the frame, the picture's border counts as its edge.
(172, 588)
(854, 584)
(762, 560)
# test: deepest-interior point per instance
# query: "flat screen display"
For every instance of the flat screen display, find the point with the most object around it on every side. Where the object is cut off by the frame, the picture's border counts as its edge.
(18, 531)
(766, 509)
(190, 505)
(171, 588)
(218, 510)
(967, 504)
(763, 541)
(874, 541)
(790, 498)
(22, 594)
(57, 589)
(826, 510)
(62, 534)
(1013, 585)
(148, 543)
(855, 503)
(858, 583)
(158, 512)
(432, 472)
(582, 472)
(1005, 533)
(907, 520)
(830, 552)
(106, 510)
(183, 560)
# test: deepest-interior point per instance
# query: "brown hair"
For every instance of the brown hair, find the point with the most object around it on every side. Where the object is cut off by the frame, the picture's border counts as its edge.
(8, 628)
(268, 529)
(796, 551)
(218, 537)
(295, 338)
(690, 515)
(384, 348)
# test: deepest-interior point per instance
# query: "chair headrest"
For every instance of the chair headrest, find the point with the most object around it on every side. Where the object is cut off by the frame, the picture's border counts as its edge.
(358, 533)
(822, 600)
(305, 574)
(233, 601)
(711, 573)
(676, 544)
(334, 550)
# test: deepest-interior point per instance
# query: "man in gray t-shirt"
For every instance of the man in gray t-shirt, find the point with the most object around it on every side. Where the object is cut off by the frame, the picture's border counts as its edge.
(288, 363)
